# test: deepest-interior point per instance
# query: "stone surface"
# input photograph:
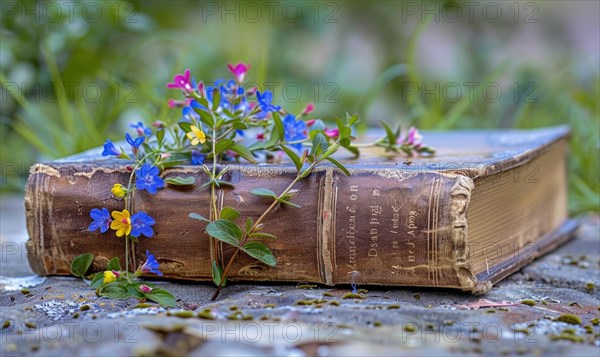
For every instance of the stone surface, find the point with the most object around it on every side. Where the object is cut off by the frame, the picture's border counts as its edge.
(272, 320)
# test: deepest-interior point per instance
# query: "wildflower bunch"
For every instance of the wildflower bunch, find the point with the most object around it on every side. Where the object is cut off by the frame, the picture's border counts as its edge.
(221, 123)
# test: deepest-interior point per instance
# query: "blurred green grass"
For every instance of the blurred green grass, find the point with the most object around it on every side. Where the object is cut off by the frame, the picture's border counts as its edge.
(344, 56)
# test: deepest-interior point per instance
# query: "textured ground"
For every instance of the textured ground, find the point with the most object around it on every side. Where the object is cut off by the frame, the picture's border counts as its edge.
(61, 316)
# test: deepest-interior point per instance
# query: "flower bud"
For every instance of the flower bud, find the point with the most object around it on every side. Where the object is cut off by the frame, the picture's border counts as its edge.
(118, 190)
(109, 277)
(308, 109)
(145, 288)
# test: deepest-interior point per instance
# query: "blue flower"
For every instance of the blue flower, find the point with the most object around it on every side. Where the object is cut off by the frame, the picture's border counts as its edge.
(197, 157)
(141, 223)
(110, 149)
(147, 178)
(189, 114)
(265, 102)
(101, 220)
(294, 130)
(151, 265)
(141, 130)
(135, 144)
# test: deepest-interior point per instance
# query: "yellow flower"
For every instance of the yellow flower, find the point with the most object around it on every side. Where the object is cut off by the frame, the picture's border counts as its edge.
(121, 223)
(196, 135)
(118, 190)
(109, 277)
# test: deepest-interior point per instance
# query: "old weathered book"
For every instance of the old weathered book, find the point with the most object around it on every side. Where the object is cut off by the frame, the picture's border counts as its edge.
(485, 205)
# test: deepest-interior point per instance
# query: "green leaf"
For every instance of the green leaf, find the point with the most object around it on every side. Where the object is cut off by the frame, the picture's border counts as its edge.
(229, 213)
(278, 124)
(260, 235)
(81, 264)
(163, 165)
(292, 155)
(354, 150)
(243, 152)
(162, 297)
(319, 144)
(198, 217)
(339, 165)
(216, 98)
(181, 180)
(345, 132)
(202, 101)
(160, 136)
(223, 145)
(217, 273)
(132, 290)
(114, 264)
(97, 281)
(185, 126)
(115, 291)
(351, 119)
(205, 117)
(286, 202)
(225, 231)
(391, 136)
(259, 251)
(239, 125)
(345, 142)
(220, 183)
(263, 192)
(249, 224)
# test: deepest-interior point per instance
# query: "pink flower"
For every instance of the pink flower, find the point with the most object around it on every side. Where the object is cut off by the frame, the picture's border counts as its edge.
(413, 137)
(310, 122)
(182, 81)
(145, 289)
(158, 124)
(252, 90)
(116, 273)
(309, 108)
(239, 71)
(180, 103)
(332, 133)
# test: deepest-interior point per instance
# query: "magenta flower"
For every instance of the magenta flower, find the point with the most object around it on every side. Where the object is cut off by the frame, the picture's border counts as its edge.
(332, 133)
(309, 108)
(182, 81)
(145, 288)
(173, 103)
(413, 138)
(239, 71)
(116, 273)
(159, 124)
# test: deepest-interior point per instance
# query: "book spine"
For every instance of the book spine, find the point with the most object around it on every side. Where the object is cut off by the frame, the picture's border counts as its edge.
(381, 225)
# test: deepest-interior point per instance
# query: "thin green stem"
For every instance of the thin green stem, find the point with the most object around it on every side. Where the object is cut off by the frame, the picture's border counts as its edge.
(213, 195)
(299, 176)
